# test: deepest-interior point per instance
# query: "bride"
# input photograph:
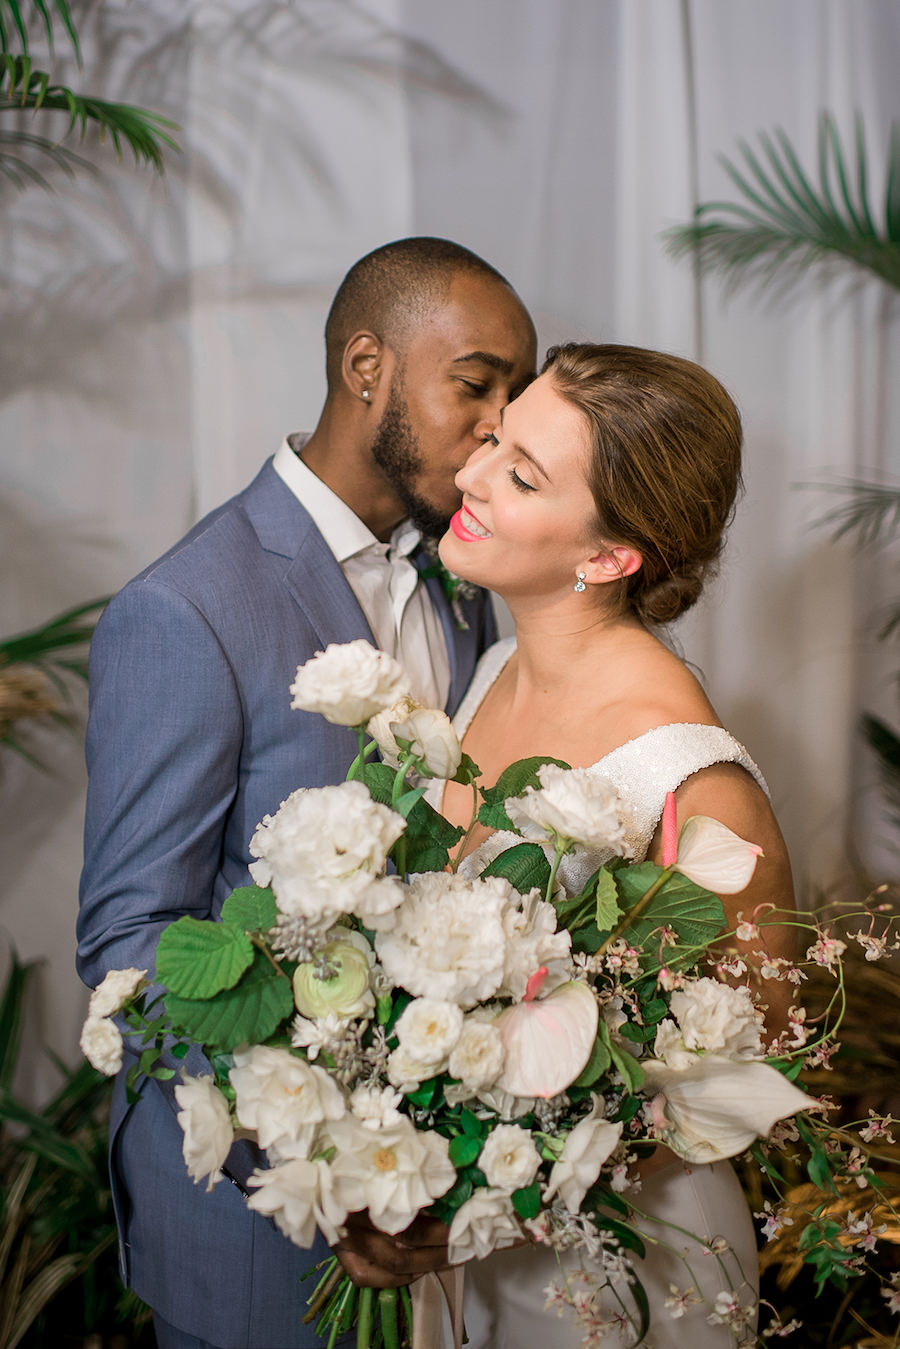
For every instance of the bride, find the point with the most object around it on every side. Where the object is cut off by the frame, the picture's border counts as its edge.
(596, 511)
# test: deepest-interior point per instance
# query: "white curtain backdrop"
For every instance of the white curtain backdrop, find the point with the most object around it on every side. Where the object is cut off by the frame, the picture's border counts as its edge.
(160, 336)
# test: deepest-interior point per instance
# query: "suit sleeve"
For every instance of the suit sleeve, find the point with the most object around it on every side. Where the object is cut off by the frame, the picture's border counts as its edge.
(163, 752)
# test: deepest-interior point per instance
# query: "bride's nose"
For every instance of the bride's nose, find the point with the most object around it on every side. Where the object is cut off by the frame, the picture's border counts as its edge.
(471, 477)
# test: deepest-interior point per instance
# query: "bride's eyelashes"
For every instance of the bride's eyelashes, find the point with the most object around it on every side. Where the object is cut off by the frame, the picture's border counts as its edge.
(519, 483)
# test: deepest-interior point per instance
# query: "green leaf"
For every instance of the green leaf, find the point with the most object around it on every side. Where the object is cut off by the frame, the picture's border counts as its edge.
(464, 1149)
(819, 1171)
(246, 1014)
(625, 1235)
(405, 804)
(524, 866)
(628, 1067)
(251, 908)
(511, 782)
(471, 1124)
(468, 771)
(197, 959)
(527, 1201)
(429, 836)
(599, 1063)
(696, 915)
(607, 912)
(423, 1094)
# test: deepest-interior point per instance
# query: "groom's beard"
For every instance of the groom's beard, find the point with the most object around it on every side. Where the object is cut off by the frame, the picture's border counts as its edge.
(396, 451)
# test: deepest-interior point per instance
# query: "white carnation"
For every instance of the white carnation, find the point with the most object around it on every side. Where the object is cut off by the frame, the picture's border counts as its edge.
(348, 684)
(532, 941)
(477, 1057)
(573, 803)
(428, 1028)
(323, 852)
(509, 1158)
(206, 1123)
(393, 1172)
(486, 1222)
(101, 1045)
(447, 940)
(118, 986)
(299, 1196)
(283, 1097)
(719, 1019)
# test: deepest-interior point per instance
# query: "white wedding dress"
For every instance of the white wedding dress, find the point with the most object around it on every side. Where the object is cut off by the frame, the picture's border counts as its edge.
(506, 1293)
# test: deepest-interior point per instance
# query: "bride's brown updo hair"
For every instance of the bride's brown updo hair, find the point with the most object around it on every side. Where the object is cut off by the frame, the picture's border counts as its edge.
(665, 464)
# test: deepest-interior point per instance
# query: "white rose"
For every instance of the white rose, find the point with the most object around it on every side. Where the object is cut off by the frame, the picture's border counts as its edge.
(574, 803)
(101, 1045)
(509, 1158)
(407, 1073)
(299, 1196)
(323, 852)
(347, 993)
(428, 1028)
(283, 1097)
(585, 1150)
(486, 1222)
(532, 941)
(718, 1018)
(392, 1172)
(206, 1123)
(348, 684)
(477, 1057)
(447, 940)
(118, 986)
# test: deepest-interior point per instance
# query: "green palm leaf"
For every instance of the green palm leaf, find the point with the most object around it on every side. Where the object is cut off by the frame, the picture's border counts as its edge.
(784, 222)
(871, 511)
(13, 20)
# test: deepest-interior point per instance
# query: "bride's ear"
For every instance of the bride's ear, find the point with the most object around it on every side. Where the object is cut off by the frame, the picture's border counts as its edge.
(613, 564)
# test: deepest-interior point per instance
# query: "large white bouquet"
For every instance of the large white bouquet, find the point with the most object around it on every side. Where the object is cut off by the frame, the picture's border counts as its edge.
(400, 1039)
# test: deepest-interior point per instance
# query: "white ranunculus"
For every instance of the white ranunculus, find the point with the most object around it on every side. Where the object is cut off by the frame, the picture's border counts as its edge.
(392, 1172)
(299, 1197)
(717, 1107)
(447, 939)
(375, 1107)
(532, 941)
(324, 850)
(101, 1044)
(348, 684)
(118, 986)
(486, 1222)
(719, 1019)
(347, 993)
(509, 1158)
(406, 1073)
(477, 1057)
(585, 1150)
(574, 803)
(283, 1097)
(428, 1028)
(711, 855)
(206, 1123)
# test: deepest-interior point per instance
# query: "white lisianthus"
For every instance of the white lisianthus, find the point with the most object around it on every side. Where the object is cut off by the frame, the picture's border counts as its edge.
(206, 1123)
(393, 1172)
(585, 1150)
(101, 1044)
(573, 803)
(347, 993)
(323, 852)
(711, 855)
(299, 1197)
(428, 732)
(486, 1222)
(375, 1107)
(283, 1097)
(509, 1158)
(406, 1073)
(715, 1018)
(428, 1029)
(717, 1107)
(118, 986)
(447, 939)
(532, 941)
(477, 1057)
(348, 683)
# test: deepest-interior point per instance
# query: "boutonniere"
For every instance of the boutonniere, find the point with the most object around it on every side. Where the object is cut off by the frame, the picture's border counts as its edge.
(454, 587)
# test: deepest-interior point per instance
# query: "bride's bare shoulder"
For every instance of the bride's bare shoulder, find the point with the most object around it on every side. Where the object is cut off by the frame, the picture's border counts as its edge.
(656, 689)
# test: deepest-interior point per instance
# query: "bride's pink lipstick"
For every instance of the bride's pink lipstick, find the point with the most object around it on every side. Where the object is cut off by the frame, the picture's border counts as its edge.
(460, 530)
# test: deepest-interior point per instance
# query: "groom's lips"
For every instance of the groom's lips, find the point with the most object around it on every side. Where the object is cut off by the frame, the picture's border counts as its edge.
(461, 530)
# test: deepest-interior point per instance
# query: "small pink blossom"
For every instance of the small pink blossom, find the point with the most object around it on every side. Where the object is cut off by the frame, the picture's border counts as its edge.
(826, 951)
(877, 1128)
(681, 1299)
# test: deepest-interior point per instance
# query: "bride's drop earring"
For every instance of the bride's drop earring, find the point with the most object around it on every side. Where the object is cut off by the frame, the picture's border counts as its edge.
(579, 584)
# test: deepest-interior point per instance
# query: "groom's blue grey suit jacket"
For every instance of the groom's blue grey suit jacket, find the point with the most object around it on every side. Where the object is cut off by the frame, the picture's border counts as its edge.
(191, 741)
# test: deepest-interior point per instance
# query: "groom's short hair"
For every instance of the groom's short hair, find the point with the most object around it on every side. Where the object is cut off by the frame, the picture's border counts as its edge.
(392, 291)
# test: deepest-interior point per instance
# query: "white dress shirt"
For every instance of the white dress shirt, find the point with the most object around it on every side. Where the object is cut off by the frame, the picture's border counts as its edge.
(386, 583)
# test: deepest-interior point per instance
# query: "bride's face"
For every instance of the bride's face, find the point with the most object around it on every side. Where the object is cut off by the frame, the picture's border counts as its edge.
(528, 520)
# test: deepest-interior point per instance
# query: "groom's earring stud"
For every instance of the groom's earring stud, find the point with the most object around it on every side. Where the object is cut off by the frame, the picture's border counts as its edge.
(579, 584)
(365, 393)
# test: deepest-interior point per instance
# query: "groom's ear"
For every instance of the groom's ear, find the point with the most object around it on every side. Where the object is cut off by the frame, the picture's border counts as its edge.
(612, 564)
(363, 365)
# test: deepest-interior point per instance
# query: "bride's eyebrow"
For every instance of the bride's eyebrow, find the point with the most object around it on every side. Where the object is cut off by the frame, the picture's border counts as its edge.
(528, 455)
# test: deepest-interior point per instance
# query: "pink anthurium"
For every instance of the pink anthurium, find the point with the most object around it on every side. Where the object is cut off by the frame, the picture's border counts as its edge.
(548, 1041)
(711, 855)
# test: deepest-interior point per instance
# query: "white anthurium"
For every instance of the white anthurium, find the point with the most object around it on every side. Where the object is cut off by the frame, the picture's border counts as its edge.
(548, 1041)
(718, 1106)
(348, 683)
(712, 855)
(585, 1150)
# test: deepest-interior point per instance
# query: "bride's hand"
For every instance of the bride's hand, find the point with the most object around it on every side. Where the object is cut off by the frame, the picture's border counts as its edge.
(375, 1259)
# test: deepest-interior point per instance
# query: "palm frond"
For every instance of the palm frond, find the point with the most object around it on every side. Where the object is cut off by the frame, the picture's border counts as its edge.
(46, 642)
(22, 173)
(785, 223)
(12, 20)
(885, 744)
(871, 512)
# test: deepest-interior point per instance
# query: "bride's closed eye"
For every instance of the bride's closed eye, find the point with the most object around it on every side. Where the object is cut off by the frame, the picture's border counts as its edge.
(519, 483)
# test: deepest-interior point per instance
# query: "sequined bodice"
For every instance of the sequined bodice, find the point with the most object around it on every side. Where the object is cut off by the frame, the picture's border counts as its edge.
(642, 770)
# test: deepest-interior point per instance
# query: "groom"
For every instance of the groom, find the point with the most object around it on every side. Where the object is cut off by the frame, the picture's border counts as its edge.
(191, 739)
